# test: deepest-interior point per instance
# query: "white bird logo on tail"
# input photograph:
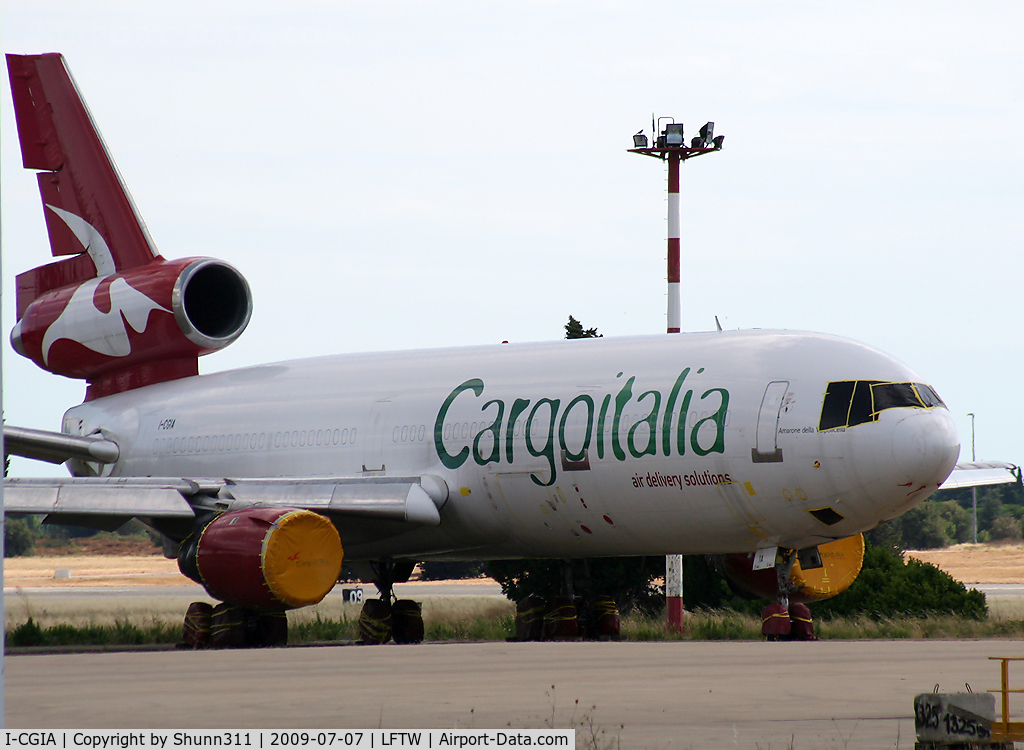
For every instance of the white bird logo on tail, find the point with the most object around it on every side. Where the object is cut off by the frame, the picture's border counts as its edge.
(106, 332)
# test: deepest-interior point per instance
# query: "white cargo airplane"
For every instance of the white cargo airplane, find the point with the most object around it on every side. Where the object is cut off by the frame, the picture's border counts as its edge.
(723, 442)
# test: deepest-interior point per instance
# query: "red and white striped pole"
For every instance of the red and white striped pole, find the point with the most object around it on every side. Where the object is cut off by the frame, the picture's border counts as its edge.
(670, 146)
(673, 242)
(673, 563)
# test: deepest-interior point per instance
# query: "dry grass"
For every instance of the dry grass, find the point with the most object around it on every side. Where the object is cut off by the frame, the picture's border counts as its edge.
(82, 611)
(995, 562)
(92, 571)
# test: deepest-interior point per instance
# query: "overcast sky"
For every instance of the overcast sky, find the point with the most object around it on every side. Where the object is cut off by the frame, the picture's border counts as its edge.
(394, 175)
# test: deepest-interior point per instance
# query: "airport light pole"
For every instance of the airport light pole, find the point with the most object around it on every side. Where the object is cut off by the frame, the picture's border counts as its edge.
(670, 146)
(974, 490)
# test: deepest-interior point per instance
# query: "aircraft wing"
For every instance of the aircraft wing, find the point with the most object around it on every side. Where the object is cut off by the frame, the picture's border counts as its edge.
(980, 474)
(79, 499)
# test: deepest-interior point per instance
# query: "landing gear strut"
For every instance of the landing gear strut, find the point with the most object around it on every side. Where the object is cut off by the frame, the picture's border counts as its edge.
(389, 617)
(783, 621)
(568, 616)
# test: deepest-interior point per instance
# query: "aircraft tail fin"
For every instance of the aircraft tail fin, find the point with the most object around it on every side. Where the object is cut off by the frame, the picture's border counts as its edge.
(85, 201)
(112, 310)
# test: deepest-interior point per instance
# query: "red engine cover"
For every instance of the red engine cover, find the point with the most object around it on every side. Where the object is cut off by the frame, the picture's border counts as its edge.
(269, 559)
(146, 324)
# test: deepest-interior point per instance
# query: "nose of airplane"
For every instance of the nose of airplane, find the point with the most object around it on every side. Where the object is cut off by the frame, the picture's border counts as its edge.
(925, 446)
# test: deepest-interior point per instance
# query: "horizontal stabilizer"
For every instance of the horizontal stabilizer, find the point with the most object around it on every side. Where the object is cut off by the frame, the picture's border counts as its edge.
(981, 474)
(56, 447)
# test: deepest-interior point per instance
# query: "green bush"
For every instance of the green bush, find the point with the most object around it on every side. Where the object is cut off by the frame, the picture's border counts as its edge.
(628, 580)
(930, 525)
(445, 570)
(925, 527)
(887, 587)
(1005, 527)
(19, 538)
(121, 633)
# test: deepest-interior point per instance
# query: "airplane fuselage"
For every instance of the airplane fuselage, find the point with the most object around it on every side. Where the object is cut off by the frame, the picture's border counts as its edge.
(692, 443)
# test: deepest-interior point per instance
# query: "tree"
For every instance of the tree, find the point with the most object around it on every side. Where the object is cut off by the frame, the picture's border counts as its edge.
(447, 570)
(930, 525)
(574, 330)
(1005, 527)
(19, 538)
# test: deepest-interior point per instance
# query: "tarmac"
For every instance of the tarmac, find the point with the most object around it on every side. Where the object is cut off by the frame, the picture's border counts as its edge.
(673, 694)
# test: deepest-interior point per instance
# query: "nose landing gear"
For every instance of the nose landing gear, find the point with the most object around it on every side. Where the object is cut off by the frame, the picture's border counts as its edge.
(782, 621)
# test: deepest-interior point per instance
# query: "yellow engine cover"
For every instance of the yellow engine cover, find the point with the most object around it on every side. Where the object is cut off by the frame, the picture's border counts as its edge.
(841, 564)
(301, 557)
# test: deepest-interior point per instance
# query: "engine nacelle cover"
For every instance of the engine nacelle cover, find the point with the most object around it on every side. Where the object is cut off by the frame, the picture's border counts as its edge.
(164, 310)
(267, 559)
(841, 563)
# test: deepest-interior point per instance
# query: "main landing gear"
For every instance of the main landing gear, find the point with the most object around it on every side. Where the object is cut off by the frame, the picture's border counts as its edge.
(388, 617)
(783, 621)
(567, 616)
(230, 626)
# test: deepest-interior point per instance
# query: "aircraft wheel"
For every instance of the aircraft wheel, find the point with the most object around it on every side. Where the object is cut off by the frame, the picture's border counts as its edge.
(267, 629)
(801, 625)
(775, 624)
(560, 619)
(375, 622)
(604, 618)
(407, 621)
(227, 626)
(530, 619)
(196, 631)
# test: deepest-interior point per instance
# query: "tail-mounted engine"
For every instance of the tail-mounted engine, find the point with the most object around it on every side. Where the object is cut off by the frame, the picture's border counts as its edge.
(265, 559)
(139, 327)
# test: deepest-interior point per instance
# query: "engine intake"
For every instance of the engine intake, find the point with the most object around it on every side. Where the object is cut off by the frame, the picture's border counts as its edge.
(212, 303)
(266, 559)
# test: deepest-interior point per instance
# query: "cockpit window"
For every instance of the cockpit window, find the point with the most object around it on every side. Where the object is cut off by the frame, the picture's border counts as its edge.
(928, 395)
(895, 395)
(852, 402)
(862, 409)
(835, 411)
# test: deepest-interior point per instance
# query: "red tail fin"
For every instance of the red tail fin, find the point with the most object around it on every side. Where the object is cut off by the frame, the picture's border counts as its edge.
(114, 313)
(86, 203)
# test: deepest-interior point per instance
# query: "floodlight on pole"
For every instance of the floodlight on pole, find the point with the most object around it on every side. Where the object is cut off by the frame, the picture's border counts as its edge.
(670, 145)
